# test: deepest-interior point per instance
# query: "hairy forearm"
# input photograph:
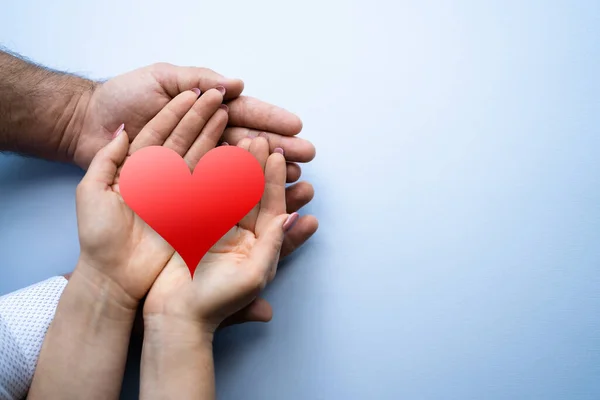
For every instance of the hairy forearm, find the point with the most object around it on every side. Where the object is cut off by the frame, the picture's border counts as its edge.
(38, 108)
(85, 350)
(177, 360)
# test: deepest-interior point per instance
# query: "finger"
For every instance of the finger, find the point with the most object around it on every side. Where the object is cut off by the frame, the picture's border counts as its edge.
(293, 172)
(104, 166)
(259, 148)
(272, 203)
(192, 123)
(302, 230)
(295, 148)
(252, 113)
(298, 195)
(265, 252)
(244, 143)
(156, 132)
(175, 79)
(208, 139)
(258, 311)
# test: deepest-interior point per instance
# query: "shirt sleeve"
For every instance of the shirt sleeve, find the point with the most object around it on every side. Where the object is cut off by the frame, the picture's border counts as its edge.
(25, 316)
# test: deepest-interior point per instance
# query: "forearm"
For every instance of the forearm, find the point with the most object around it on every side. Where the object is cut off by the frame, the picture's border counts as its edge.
(85, 350)
(177, 360)
(40, 108)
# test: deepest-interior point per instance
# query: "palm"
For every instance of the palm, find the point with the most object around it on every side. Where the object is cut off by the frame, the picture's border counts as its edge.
(133, 98)
(188, 125)
(231, 251)
(235, 245)
(108, 223)
(226, 279)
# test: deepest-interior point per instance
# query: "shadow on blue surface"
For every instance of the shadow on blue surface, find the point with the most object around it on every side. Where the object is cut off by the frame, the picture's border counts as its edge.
(18, 173)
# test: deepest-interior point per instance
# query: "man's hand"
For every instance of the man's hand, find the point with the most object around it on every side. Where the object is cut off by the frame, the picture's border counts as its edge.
(59, 116)
(63, 117)
(136, 97)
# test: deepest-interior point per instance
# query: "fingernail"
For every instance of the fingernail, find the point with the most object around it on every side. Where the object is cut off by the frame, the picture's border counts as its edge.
(224, 107)
(224, 144)
(197, 91)
(252, 135)
(263, 134)
(221, 89)
(279, 150)
(290, 221)
(118, 131)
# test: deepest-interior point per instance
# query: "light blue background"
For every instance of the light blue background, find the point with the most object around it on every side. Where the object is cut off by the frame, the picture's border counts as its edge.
(457, 184)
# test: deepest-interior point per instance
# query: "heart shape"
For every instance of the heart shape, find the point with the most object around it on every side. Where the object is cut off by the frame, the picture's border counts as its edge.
(191, 211)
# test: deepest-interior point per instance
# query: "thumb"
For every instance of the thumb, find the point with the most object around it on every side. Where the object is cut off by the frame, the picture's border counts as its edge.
(265, 253)
(104, 166)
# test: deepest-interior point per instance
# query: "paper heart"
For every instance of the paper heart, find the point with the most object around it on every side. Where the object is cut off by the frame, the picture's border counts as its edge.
(191, 211)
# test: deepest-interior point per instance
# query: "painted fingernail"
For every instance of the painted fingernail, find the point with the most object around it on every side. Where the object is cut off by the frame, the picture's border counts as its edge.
(263, 134)
(118, 131)
(224, 144)
(221, 89)
(224, 107)
(290, 221)
(279, 150)
(197, 91)
(252, 135)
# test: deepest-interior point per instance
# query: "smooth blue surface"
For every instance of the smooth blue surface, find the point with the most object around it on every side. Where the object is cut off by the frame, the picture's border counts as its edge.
(457, 179)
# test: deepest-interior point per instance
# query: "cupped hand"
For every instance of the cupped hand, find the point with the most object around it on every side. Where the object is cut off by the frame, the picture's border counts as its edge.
(230, 276)
(117, 248)
(136, 97)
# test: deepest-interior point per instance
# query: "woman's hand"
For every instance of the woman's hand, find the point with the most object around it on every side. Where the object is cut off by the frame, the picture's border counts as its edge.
(238, 266)
(181, 313)
(137, 96)
(118, 249)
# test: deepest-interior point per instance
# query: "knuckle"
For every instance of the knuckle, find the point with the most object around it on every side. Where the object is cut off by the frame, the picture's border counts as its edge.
(204, 70)
(255, 279)
(198, 115)
(161, 66)
(178, 142)
(176, 110)
(81, 188)
(153, 134)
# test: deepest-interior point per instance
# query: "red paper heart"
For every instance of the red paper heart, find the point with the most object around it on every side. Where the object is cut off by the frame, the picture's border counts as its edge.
(192, 211)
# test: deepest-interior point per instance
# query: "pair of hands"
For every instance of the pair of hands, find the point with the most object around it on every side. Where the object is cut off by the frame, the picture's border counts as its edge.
(123, 260)
(120, 252)
(136, 97)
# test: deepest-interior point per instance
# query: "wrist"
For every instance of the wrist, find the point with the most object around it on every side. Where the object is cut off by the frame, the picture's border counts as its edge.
(173, 331)
(70, 125)
(95, 286)
(85, 348)
(88, 314)
(177, 359)
(39, 108)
